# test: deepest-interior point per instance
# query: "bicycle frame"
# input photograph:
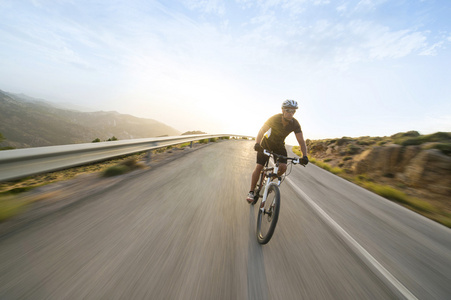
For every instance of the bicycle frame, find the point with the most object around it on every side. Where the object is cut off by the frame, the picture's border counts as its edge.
(266, 172)
(268, 214)
(268, 175)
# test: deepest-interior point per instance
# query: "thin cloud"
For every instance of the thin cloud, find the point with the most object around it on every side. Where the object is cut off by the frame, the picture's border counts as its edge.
(206, 6)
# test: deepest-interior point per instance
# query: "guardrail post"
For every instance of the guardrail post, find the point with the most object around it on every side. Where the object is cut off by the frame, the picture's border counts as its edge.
(191, 144)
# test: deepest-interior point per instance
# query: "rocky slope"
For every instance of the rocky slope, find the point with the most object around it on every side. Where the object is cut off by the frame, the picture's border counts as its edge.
(418, 165)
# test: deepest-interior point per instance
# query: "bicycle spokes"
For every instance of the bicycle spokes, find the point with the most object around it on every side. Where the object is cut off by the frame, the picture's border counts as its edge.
(268, 215)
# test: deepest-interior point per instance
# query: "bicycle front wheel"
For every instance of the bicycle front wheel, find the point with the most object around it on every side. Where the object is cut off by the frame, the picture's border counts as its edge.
(268, 214)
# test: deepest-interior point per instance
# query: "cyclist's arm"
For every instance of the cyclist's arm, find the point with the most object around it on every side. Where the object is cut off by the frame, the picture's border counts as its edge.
(300, 138)
(260, 134)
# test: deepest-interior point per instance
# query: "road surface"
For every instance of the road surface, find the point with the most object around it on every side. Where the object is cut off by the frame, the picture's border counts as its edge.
(185, 231)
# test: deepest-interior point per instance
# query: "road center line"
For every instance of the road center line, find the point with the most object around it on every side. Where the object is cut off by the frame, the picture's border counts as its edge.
(366, 257)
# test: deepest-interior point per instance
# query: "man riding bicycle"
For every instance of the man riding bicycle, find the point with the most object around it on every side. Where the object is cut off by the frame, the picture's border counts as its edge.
(277, 128)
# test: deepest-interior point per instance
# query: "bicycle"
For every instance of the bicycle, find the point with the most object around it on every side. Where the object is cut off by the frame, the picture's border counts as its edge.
(268, 213)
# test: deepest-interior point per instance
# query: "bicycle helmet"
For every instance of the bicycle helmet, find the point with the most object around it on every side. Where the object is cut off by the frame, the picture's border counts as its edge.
(289, 104)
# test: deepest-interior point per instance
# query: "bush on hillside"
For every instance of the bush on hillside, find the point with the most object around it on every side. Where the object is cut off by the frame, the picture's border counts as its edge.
(343, 140)
(445, 148)
(442, 137)
(407, 134)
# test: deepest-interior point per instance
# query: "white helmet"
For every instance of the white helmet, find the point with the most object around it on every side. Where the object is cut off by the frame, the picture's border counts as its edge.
(289, 104)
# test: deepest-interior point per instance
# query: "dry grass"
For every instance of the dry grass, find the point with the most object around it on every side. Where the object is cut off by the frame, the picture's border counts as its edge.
(432, 210)
(10, 206)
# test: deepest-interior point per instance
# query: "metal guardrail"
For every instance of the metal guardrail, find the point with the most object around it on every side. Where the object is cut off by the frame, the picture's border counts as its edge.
(15, 164)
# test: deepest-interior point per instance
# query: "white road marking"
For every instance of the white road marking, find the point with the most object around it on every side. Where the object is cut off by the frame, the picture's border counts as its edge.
(383, 273)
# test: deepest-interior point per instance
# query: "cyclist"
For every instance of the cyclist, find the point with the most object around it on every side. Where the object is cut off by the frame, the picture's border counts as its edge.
(272, 137)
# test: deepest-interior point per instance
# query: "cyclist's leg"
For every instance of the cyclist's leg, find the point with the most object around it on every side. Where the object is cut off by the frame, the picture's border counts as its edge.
(261, 161)
(282, 162)
(255, 176)
(282, 169)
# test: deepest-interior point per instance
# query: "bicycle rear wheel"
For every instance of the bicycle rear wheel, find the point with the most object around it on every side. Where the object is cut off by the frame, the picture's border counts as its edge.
(268, 215)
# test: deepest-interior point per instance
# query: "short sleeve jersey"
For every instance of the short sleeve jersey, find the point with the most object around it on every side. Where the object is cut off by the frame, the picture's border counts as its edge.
(278, 132)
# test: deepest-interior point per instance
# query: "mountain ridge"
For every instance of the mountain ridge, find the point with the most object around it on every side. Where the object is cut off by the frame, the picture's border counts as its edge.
(30, 122)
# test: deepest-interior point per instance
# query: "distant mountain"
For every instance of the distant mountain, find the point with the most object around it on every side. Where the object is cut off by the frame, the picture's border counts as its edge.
(193, 132)
(29, 122)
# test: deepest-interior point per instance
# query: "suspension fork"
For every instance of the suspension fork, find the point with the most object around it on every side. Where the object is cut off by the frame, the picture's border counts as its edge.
(266, 188)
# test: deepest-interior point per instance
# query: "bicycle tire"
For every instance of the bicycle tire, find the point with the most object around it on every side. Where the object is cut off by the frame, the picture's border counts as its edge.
(267, 220)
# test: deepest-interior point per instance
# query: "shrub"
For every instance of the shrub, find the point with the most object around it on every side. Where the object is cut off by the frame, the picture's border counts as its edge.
(327, 159)
(362, 178)
(445, 148)
(343, 141)
(439, 136)
(185, 144)
(352, 149)
(347, 158)
(407, 134)
(20, 190)
(130, 163)
(410, 141)
(116, 170)
(331, 141)
(10, 206)
(97, 140)
(213, 140)
(421, 139)
(336, 170)
(204, 141)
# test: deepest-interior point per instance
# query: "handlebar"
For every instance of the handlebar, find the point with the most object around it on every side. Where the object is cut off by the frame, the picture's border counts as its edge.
(294, 160)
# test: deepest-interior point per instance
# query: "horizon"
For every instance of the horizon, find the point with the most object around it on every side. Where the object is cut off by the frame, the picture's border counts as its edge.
(63, 106)
(357, 68)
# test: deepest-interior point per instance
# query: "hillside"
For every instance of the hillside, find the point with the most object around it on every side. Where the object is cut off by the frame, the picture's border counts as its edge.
(409, 168)
(27, 122)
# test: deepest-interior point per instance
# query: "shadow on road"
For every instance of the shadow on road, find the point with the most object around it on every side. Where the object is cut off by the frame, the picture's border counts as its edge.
(256, 275)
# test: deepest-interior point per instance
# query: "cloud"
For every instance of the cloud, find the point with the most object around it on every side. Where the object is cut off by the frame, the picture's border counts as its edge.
(393, 44)
(358, 41)
(206, 6)
(432, 50)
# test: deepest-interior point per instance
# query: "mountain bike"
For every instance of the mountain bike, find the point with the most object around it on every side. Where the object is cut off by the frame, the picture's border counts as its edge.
(268, 212)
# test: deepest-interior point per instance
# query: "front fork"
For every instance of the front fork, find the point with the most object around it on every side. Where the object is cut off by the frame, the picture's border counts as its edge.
(265, 195)
(267, 182)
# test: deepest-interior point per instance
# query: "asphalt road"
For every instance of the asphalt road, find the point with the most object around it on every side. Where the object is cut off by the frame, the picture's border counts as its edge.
(184, 231)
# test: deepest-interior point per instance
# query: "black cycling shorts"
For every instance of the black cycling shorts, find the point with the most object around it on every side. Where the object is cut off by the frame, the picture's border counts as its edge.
(262, 158)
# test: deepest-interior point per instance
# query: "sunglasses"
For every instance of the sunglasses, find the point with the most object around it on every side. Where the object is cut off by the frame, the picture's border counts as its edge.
(290, 110)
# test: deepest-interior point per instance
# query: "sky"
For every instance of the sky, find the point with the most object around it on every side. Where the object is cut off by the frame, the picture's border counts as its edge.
(356, 67)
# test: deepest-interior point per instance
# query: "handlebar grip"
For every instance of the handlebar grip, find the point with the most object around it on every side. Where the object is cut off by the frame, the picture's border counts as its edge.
(266, 152)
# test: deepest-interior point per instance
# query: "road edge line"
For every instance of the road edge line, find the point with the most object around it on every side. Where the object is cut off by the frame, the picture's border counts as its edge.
(364, 255)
